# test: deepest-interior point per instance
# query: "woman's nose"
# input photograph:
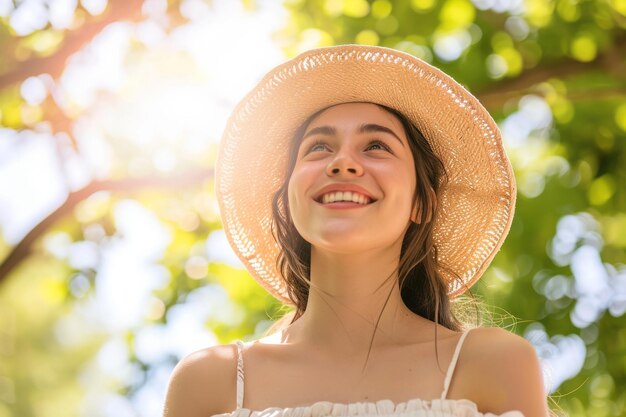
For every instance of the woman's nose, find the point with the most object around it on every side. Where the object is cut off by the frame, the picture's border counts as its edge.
(344, 163)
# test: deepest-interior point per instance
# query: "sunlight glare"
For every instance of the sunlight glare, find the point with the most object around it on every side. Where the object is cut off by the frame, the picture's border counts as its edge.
(94, 7)
(29, 16)
(450, 46)
(62, 13)
(33, 90)
(171, 103)
(562, 357)
(129, 270)
(219, 250)
(6, 7)
(25, 202)
(232, 68)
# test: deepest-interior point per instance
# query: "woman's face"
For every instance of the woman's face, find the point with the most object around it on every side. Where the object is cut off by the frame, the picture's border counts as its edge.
(360, 148)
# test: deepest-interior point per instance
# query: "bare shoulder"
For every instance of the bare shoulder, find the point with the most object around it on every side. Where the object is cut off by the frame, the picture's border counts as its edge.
(504, 371)
(490, 340)
(203, 383)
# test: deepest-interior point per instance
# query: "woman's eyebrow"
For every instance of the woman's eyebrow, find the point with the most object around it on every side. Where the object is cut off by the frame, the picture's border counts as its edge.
(372, 127)
(321, 130)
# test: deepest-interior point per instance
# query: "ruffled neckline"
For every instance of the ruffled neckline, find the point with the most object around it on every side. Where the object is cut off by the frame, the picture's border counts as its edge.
(460, 407)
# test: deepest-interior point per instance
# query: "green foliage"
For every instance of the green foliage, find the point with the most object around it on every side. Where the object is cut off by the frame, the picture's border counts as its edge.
(40, 367)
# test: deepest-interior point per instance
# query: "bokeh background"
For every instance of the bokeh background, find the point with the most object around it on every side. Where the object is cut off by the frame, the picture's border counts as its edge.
(113, 262)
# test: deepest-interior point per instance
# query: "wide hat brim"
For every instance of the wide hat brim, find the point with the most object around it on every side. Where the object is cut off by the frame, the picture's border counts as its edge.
(476, 206)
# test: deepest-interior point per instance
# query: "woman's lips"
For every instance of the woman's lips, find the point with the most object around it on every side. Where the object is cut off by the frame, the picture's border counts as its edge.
(343, 205)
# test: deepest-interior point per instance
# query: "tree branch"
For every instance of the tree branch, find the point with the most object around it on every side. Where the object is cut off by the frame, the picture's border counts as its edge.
(74, 41)
(612, 61)
(23, 248)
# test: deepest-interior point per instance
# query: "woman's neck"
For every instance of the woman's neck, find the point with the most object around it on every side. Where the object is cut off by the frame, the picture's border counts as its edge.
(346, 298)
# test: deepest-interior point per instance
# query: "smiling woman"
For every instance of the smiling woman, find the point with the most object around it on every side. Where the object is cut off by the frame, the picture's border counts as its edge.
(368, 190)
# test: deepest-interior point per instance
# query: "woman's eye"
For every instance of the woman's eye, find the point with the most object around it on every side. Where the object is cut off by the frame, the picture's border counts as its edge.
(316, 146)
(373, 145)
(381, 145)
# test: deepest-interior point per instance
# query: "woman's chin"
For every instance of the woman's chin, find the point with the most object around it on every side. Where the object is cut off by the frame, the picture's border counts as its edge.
(343, 243)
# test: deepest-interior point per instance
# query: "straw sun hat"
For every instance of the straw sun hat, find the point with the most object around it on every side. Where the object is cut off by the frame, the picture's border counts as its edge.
(476, 207)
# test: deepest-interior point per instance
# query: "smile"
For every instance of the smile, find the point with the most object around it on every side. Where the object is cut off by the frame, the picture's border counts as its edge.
(350, 197)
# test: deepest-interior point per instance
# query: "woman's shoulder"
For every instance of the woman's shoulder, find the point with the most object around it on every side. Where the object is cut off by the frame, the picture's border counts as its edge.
(496, 339)
(496, 351)
(502, 371)
(203, 383)
(499, 351)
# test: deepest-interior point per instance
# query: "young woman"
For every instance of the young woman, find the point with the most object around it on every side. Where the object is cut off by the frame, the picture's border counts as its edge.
(368, 190)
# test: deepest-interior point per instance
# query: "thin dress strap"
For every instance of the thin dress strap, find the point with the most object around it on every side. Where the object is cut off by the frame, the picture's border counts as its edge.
(239, 374)
(452, 367)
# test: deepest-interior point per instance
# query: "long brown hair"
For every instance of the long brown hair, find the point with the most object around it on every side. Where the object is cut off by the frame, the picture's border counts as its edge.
(423, 288)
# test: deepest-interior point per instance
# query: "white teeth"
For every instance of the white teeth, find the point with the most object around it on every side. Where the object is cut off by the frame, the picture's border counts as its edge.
(344, 196)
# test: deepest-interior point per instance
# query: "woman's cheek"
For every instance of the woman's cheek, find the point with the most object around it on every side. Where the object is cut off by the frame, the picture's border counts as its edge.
(295, 191)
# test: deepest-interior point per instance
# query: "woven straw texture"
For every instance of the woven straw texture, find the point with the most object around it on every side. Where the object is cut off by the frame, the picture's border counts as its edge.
(476, 207)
